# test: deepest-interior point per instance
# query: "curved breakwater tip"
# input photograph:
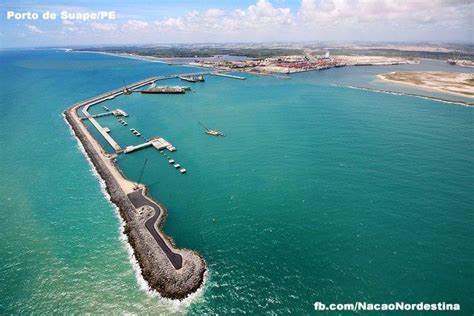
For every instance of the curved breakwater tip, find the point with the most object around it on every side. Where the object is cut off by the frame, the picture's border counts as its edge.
(171, 304)
(174, 305)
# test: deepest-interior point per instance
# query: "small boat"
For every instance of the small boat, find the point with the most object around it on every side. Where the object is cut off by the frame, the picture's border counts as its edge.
(135, 132)
(182, 170)
(211, 132)
(171, 161)
(214, 133)
(188, 79)
(177, 165)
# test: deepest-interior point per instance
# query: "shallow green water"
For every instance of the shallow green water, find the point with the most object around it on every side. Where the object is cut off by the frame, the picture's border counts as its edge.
(317, 192)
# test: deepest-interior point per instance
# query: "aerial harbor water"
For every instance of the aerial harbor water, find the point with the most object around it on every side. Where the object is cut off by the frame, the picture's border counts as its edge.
(317, 191)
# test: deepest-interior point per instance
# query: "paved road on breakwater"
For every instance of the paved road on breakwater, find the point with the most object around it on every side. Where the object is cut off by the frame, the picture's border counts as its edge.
(139, 200)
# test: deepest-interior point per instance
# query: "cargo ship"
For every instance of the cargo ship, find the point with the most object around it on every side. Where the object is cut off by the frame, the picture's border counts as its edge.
(192, 78)
(165, 90)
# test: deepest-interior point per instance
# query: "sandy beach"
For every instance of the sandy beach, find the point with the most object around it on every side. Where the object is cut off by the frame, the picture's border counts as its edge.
(455, 83)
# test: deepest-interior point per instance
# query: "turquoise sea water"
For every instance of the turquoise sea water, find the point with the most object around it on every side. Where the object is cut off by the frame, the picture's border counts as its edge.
(317, 192)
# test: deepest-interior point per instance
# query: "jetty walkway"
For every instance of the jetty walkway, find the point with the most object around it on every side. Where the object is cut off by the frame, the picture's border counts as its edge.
(173, 272)
(131, 88)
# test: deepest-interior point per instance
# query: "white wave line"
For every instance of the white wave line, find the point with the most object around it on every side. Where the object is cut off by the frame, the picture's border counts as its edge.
(405, 94)
(173, 304)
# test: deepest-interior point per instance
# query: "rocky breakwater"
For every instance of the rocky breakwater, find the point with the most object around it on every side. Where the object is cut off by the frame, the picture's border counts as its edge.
(174, 273)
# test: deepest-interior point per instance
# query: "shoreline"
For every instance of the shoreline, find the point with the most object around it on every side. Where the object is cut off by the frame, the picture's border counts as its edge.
(123, 55)
(175, 283)
(383, 78)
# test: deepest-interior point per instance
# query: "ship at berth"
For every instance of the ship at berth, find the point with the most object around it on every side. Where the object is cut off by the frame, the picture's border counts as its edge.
(199, 78)
(165, 90)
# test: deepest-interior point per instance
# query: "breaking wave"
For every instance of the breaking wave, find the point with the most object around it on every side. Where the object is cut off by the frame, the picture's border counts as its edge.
(172, 304)
(405, 94)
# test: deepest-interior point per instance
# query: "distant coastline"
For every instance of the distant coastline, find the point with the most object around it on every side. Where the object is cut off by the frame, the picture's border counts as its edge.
(123, 55)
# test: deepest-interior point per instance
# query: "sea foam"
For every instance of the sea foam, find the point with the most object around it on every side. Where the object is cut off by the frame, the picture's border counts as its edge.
(172, 304)
(405, 94)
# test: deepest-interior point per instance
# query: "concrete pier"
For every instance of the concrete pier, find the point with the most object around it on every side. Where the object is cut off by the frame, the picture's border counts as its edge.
(116, 113)
(220, 74)
(114, 93)
(105, 134)
(158, 143)
(174, 273)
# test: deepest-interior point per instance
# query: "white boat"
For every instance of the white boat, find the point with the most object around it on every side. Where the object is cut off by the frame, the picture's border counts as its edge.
(171, 161)
(177, 165)
(182, 170)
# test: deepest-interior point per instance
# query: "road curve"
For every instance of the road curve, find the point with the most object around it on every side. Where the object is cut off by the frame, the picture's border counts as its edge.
(138, 200)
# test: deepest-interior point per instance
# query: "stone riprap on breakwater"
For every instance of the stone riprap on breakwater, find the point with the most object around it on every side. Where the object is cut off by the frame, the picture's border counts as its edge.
(174, 273)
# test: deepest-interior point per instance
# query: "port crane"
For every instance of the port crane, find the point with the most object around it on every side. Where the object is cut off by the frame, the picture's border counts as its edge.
(125, 89)
(141, 174)
(309, 57)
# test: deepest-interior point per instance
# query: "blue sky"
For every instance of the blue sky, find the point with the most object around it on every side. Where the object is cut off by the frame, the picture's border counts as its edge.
(190, 21)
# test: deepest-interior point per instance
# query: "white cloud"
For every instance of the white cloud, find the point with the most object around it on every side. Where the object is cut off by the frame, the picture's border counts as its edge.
(68, 22)
(326, 20)
(104, 27)
(256, 22)
(312, 12)
(70, 26)
(34, 29)
(270, 20)
(391, 20)
(134, 25)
